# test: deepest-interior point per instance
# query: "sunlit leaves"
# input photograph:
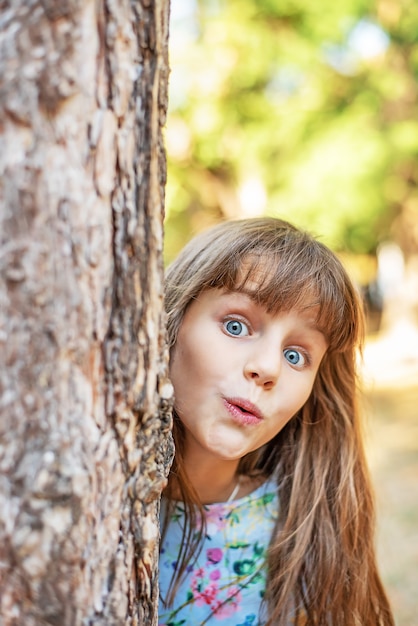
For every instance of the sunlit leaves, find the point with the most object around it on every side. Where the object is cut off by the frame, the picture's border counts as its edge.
(303, 109)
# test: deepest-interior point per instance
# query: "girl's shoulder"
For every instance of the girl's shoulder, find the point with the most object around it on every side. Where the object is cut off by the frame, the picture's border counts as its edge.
(260, 502)
(250, 510)
(262, 492)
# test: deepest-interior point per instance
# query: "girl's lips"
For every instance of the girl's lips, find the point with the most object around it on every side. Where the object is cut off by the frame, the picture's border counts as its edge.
(243, 411)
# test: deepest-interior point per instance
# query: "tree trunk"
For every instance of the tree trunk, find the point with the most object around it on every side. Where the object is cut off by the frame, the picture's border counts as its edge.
(85, 402)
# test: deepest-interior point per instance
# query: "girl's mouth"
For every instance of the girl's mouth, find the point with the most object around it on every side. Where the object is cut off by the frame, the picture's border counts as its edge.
(242, 411)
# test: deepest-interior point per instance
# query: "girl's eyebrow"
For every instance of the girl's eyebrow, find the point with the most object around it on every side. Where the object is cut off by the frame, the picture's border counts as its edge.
(310, 322)
(240, 293)
(253, 297)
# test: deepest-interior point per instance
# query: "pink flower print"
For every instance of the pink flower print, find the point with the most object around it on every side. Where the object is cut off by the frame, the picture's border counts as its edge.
(214, 555)
(203, 592)
(206, 595)
(199, 573)
(215, 518)
(228, 607)
(215, 575)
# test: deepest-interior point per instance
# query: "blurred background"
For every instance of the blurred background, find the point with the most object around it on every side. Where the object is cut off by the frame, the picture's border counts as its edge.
(309, 111)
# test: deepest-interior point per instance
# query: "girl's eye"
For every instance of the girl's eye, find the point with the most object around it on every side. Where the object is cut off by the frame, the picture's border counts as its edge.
(236, 328)
(294, 357)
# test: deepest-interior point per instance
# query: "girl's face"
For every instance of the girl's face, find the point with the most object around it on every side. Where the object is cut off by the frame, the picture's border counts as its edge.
(241, 373)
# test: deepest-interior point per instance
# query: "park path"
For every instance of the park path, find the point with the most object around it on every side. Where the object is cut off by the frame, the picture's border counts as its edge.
(390, 376)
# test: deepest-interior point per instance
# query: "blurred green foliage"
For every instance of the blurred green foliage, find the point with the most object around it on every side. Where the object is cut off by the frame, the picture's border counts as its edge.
(306, 110)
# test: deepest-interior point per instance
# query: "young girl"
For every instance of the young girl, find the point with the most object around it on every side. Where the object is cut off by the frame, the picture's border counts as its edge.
(268, 516)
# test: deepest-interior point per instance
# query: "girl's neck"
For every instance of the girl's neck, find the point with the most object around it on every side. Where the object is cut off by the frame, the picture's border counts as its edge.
(213, 480)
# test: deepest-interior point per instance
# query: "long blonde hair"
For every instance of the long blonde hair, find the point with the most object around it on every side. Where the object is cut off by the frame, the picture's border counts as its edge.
(321, 564)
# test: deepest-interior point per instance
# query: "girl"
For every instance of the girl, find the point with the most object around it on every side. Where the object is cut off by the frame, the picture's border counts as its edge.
(267, 518)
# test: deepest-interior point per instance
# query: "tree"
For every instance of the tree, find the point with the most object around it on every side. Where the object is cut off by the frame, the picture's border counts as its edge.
(85, 402)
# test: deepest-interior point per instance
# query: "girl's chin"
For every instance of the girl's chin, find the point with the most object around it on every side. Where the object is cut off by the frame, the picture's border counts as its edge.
(230, 452)
(224, 443)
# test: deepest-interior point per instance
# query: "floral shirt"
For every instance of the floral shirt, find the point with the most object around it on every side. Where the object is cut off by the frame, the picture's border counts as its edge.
(227, 582)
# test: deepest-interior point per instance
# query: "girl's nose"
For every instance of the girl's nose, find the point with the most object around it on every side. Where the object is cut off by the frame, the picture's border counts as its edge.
(263, 365)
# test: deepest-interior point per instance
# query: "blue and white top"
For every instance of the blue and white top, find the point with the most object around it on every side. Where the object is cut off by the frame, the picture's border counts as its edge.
(227, 582)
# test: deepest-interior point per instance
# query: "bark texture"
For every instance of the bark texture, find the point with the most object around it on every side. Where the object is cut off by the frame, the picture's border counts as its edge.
(84, 399)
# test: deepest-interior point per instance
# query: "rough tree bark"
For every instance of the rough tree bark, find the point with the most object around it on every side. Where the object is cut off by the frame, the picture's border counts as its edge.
(84, 398)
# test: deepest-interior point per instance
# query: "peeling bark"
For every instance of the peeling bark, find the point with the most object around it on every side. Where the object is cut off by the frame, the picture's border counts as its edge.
(85, 404)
